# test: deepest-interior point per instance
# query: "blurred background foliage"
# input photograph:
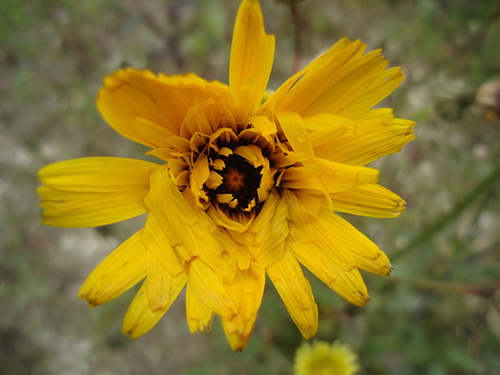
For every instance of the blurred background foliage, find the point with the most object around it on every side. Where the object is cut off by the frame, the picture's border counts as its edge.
(437, 314)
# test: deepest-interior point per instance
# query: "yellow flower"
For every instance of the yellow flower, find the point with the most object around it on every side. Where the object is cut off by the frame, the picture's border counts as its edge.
(242, 189)
(321, 358)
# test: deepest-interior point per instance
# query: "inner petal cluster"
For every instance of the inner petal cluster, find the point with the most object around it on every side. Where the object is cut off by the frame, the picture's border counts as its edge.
(240, 175)
(229, 167)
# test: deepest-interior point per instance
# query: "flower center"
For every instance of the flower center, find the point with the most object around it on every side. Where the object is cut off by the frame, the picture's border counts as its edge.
(241, 179)
(229, 168)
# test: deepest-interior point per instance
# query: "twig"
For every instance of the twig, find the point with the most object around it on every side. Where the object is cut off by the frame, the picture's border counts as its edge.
(441, 222)
(297, 23)
(440, 286)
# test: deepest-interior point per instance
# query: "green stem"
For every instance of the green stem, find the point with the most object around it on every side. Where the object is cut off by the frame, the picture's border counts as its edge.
(436, 226)
(440, 286)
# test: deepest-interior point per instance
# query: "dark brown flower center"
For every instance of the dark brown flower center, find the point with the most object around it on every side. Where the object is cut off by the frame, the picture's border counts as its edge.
(241, 179)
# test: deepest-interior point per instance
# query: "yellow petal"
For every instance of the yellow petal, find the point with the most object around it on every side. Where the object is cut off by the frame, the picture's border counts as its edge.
(263, 125)
(140, 317)
(296, 293)
(265, 216)
(324, 229)
(125, 96)
(77, 210)
(271, 229)
(239, 247)
(252, 54)
(296, 133)
(220, 116)
(196, 121)
(333, 262)
(176, 167)
(347, 283)
(330, 124)
(302, 207)
(351, 248)
(246, 292)
(158, 245)
(303, 88)
(173, 214)
(214, 180)
(253, 155)
(94, 191)
(267, 183)
(199, 315)
(159, 281)
(378, 115)
(179, 144)
(327, 128)
(129, 94)
(117, 273)
(352, 85)
(207, 286)
(339, 177)
(155, 135)
(239, 224)
(205, 233)
(362, 252)
(177, 94)
(187, 228)
(372, 140)
(368, 200)
(230, 268)
(199, 175)
(342, 81)
(174, 99)
(328, 177)
(378, 89)
(98, 174)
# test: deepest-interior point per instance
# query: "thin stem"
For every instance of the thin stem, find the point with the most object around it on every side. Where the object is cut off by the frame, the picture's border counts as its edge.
(440, 286)
(297, 23)
(441, 222)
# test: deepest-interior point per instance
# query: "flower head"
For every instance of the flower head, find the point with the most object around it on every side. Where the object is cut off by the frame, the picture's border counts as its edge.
(242, 189)
(322, 358)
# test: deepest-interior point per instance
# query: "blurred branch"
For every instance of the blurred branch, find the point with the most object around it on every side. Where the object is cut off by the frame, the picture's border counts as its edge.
(477, 338)
(294, 9)
(293, 5)
(441, 222)
(440, 286)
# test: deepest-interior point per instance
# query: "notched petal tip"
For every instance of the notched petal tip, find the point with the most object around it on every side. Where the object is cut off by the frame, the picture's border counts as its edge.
(361, 299)
(252, 55)
(91, 303)
(236, 339)
(389, 270)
